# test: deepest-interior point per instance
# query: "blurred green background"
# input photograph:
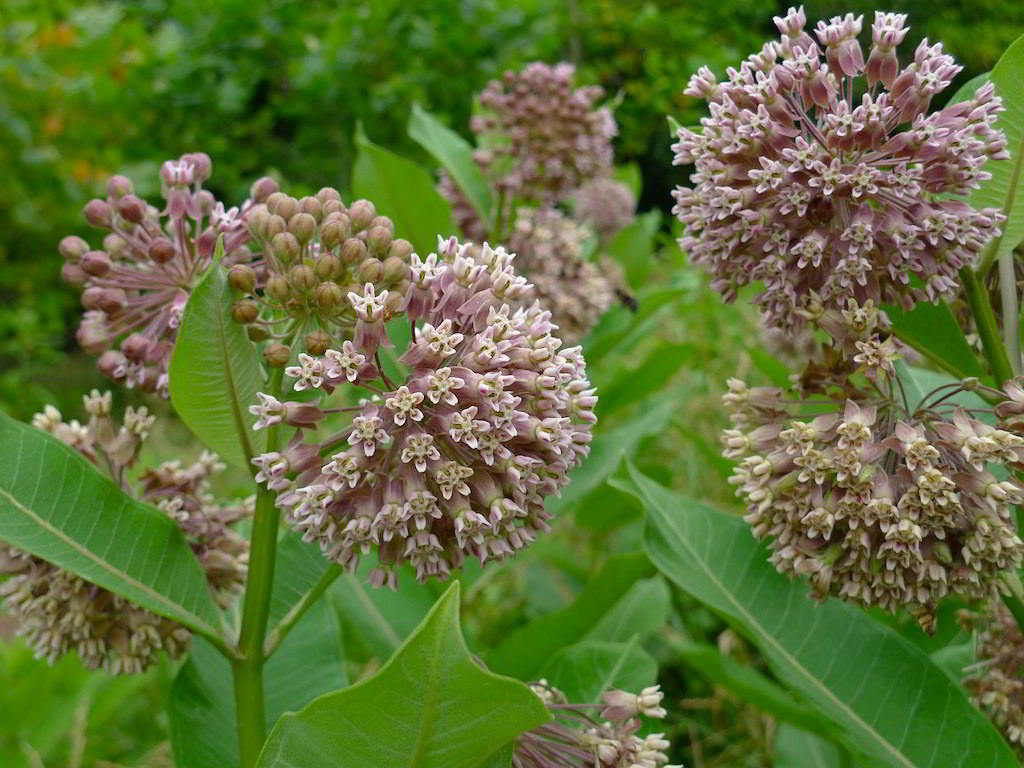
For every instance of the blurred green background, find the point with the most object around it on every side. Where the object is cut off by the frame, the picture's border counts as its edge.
(92, 89)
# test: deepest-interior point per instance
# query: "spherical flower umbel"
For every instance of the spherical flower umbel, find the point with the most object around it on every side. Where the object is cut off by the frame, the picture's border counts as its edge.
(58, 612)
(456, 457)
(574, 738)
(606, 204)
(995, 682)
(135, 288)
(822, 175)
(876, 501)
(549, 252)
(541, 137)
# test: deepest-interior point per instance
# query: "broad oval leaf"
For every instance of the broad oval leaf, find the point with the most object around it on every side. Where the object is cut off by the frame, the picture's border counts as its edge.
(58, 506)
(932, 330)
(890, 703)
(1008, 77)
(584, 670)
(795, 748)
(455, 155)
(430, 706)
(216, 372)
(403, 191)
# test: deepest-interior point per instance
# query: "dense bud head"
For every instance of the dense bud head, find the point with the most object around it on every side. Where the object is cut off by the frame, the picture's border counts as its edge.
(370, 270)
(334, 230)
(72, 273)
(284, 206)
(245, 311)
(161, 250)
(99, 213)
(257, 220)
(361, 213)
(317, 342)
(95, 263)
(72, 248)
(313, 207)
(303, 226)
(328, 193)
(242, 278)
(119, 186)
(274, 226)
(378, 240)
(262, 188)
(131, 208)
(202, 166)
(112, 300)
(276, 354)
(400, 249)
(353, 251)
(328, 295)
(333, 207)
(285, 247)
(136, 347)
(394, 269)
(605, 204)
(278, 288)
(257, 333)
(328, 267)
(302, 278)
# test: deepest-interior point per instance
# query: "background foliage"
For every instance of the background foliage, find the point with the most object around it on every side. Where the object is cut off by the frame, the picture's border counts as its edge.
(91, 89)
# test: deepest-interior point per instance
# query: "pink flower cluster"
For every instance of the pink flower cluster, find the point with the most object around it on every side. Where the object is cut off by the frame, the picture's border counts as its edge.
(820, 173)
(454, 459)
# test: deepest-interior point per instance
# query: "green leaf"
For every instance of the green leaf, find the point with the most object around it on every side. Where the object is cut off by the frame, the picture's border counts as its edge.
(953, 658)
(630, 175)
(888, 700)
(795, 748)
(455, 155)
(932, 330)
(430, 706)
(749, 685)
(58, 506)
(216, 372)
(1008, 77)
(642, 609)
(584, 670)
(298, 568)
(403, 191)
(526, 649)
(633, 247)
(202, 706)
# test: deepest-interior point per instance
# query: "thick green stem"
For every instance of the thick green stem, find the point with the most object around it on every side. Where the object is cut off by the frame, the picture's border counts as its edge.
(988, 329)
(248, 667)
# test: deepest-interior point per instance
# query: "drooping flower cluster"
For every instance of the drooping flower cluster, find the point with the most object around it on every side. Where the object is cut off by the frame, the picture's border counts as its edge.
(606, 204)
(996, 682)
(574, 738)
(313, 252)
(821, 174)
(541, 137)
(135, 288)
(879, 500)
(470, 225)
(58, 612)
(455, 458)
(549, 249)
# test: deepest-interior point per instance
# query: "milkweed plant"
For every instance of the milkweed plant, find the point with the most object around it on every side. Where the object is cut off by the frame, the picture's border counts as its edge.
(393, 391)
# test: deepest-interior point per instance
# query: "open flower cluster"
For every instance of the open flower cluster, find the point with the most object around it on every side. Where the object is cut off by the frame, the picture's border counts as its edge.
(996, 682)
(605, 204)
(574, 738)
(58, 612)
(820, 173)
(135, 287)
(454, 459)
(549, 250)
(543, 136)
(312, 252)
(879, 502)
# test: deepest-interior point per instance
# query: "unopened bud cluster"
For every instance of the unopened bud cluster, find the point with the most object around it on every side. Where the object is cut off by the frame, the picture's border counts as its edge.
(454, 459)
(540, 137)
(820, 174)
(995, 683)
(605, 204)
(58, 612)
(879, 501)
(315, 252)
(549, 250)
(574, 738)
(135, 288)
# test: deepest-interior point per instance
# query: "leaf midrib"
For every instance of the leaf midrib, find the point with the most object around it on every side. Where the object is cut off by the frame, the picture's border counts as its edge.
(241, 428)
(429, 704)
(770, 639)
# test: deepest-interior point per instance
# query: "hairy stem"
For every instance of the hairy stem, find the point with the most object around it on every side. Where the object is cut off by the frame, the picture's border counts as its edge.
(1011, 309)
(247, 669)
(283, 627)
(988, 329)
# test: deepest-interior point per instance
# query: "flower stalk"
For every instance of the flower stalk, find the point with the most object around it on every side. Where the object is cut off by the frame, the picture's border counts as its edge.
(988, 329)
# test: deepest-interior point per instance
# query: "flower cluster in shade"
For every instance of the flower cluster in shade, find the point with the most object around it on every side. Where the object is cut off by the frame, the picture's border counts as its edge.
(539, 136)
(456, 457)
(311, 253)
(549, 250)
(820, 173)
(135, 288)
(605, 204)
(995, 683)
(575, 738)
(876, 499)
(58, 612)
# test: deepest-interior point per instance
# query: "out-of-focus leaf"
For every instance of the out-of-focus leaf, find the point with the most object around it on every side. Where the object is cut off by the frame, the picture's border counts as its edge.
(455, 155)
(642, 609)
(202, 705)
(526, 649)
(216, 372)
(953, 658)
(57, 506)
(630, 175)
(403, 191)
(431, 706)
(795, 748)
(584, 670)
(633, 247)
(865, 678)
